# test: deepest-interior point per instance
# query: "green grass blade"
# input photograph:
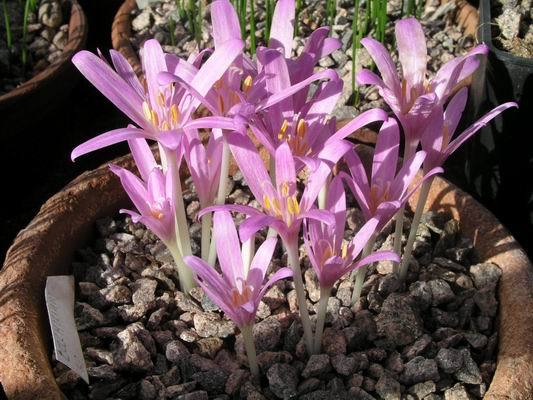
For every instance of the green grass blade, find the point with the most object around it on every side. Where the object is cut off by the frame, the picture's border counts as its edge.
(268, 22)
(355, 21)
(252, 27)
(7, 22)
(171, 31)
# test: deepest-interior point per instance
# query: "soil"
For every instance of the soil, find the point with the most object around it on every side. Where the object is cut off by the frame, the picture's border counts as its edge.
(445, 39)
(46, 38)
(433, 337)
(513, 26)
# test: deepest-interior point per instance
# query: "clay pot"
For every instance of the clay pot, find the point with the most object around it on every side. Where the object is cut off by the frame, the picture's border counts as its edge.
(48, 88)
(66, 222)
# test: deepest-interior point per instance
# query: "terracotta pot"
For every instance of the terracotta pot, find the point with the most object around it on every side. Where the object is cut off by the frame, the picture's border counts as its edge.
(66, 221)
(48, 88)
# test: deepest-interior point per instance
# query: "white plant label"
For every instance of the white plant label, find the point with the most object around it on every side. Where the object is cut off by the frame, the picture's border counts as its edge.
(59, 295)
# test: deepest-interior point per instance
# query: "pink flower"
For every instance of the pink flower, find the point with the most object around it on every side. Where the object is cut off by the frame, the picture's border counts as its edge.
(161, 112)
(153, 195)
(387, 190)
(283, 208)
(237, 292)
(437, 137)
(330, 256)
(412, 98)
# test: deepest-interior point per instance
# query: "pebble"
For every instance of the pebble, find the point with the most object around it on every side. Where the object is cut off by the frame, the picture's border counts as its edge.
(458, 392)
(449, 360)
(50, 14)
(317, 365)
(422, 389)
(485, 275)
(282, 380)
(344, 365)
(388, 388)
(469, 371)
(398, 321)
(420, 369)
(135, 349)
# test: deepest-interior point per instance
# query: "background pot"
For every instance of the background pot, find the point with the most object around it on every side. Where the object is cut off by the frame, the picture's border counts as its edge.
(494, 163)
(66, 222)
(25, 105)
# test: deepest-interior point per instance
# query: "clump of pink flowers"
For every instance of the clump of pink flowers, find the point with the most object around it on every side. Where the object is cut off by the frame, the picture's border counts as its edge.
(286, 106)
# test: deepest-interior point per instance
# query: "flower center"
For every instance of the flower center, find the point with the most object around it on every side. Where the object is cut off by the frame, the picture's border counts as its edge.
(239, 298)
(379, 193)
(161, 116)
(283, 206)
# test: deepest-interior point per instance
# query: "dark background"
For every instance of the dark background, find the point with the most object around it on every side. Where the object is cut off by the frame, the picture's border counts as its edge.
(36, 163)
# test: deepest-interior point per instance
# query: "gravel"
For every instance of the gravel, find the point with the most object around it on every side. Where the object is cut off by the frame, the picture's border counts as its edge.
(46, 39)
(142, 338)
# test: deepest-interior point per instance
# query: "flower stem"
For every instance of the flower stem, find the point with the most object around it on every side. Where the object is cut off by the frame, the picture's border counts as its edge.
(248, 250)
(221, 194)
(207, 221)
(359, 274)
(424, 192)
(249, 344)
(294, 262)
(184, 272)
(398, 230)
(322, 195)
(321, 318)
(182, 227)
(408, 152)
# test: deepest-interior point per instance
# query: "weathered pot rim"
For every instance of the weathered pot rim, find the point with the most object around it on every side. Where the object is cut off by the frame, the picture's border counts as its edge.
(77, 35)
(64, 223)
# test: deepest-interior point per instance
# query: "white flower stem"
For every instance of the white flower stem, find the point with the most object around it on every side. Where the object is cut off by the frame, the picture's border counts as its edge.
(207, 221)
(422, 198)
(294, 262)
(185, 275)
(221, 195)
(408, 152)
(398, 230)
(182, 228)
(359, 274)
(322, 195)
(247, 334)
(248, 251)
(321, 317)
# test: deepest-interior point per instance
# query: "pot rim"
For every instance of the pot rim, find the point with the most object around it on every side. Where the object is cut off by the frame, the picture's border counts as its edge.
(24, 332)
(77, 36)
(484, 33)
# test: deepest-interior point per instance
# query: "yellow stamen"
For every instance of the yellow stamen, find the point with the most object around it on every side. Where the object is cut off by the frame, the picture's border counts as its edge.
(294, 208)
(266, 202)
(146, 111)
(247, 84)
(283, 129)
(165, 126)
(156, 214)
(301, 128)
(276, 207)
(344, 249)
(161, 99)
(284, 189)
(174, 114)
(154, 118)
